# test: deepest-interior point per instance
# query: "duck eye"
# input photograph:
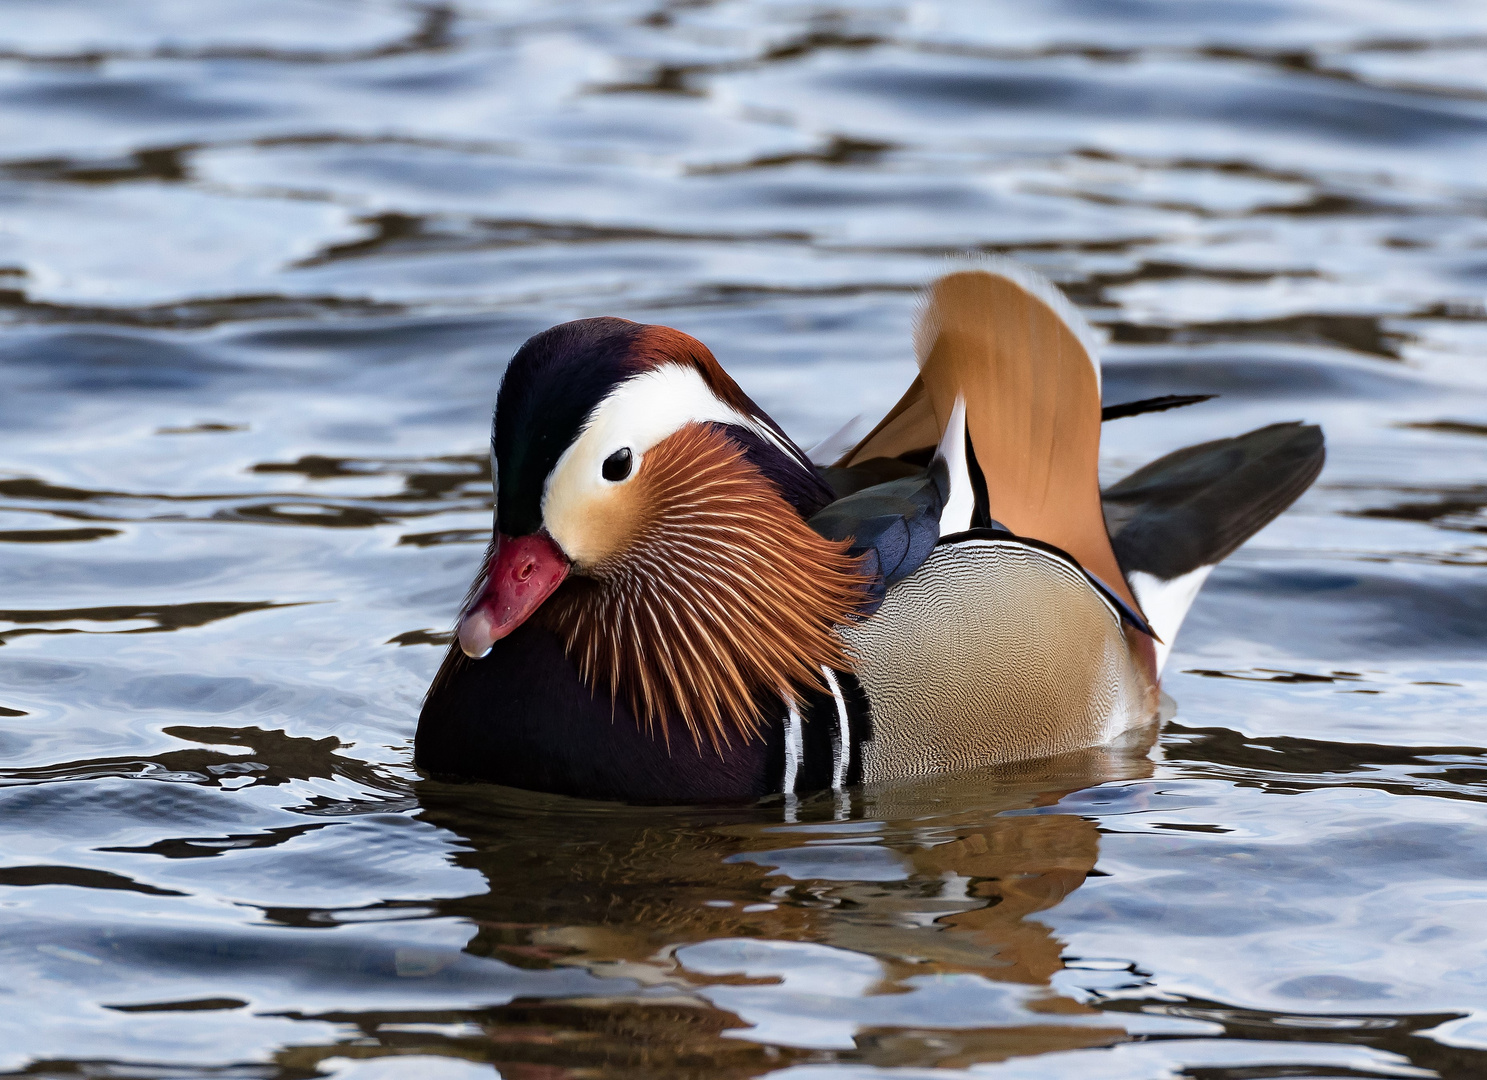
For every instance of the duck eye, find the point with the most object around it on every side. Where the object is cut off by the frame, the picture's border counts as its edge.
(617, 465)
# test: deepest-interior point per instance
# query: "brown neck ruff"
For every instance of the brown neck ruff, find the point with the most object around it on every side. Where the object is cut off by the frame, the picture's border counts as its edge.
(722, 596)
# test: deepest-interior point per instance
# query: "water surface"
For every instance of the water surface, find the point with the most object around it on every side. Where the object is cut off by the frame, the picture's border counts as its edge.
(261, 263)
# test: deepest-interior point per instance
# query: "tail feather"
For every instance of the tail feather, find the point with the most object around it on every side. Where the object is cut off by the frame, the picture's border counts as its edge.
(1173, 520)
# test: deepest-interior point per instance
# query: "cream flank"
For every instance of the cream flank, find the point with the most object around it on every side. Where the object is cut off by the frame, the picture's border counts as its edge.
(593, 519)
(991, 652)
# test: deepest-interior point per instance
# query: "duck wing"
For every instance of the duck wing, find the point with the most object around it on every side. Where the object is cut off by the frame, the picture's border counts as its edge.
(1173, 520)
(893, 525)
(1002, 345)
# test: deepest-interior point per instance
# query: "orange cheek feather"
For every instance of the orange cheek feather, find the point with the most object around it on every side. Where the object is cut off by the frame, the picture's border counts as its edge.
(710, 591)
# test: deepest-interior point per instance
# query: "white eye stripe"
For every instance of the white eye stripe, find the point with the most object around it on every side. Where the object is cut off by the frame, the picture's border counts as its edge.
(660, 402)
(639, 413)
(590, 515)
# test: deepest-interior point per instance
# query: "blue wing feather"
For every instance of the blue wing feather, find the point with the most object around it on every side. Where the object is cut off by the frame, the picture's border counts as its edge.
(894, 525)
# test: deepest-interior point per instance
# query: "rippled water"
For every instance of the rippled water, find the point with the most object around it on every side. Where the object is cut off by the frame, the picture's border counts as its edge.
(262, 263)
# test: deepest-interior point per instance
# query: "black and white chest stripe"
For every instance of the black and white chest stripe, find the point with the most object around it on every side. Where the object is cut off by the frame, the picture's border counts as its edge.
(823, 733)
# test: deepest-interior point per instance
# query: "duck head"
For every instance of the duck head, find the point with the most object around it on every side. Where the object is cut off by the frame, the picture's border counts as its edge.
(653, 517)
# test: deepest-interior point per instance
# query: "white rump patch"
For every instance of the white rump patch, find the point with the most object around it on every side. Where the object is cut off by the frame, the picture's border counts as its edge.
(1166, 603)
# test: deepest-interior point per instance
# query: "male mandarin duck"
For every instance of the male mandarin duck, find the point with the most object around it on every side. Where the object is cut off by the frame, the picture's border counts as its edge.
(678, 605)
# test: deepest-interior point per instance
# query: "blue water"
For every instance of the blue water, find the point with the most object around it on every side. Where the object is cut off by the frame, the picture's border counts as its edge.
(262, 262)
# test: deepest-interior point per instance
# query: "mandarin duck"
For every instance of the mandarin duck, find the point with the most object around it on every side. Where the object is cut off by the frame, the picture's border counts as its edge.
(679, 604)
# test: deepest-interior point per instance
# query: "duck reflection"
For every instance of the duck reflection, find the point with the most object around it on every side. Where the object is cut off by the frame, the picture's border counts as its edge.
(891, 925)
